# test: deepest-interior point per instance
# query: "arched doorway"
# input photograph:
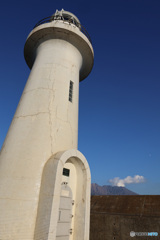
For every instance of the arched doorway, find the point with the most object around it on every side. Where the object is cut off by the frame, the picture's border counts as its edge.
(54, 196)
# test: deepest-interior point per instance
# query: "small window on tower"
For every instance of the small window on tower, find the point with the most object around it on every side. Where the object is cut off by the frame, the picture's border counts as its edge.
(70, 91)
(66, 172)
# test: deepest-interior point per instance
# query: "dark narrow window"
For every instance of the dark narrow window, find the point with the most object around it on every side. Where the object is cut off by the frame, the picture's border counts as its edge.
(66, 172)
(70, 91)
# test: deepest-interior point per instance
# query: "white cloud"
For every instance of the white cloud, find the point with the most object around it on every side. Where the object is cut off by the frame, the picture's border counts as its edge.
(128, 180)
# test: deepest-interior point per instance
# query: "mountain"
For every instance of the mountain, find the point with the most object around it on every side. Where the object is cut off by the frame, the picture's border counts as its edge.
(110, 190)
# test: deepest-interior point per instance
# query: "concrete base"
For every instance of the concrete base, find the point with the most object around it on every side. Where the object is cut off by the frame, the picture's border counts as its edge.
(62, 210)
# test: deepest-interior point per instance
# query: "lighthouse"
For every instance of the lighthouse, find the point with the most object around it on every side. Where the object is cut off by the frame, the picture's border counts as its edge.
(44, 179)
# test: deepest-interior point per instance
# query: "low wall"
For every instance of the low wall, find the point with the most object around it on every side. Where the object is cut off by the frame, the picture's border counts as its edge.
(114, 217)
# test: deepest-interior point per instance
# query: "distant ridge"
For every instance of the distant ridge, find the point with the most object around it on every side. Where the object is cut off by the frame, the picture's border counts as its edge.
(109, 190)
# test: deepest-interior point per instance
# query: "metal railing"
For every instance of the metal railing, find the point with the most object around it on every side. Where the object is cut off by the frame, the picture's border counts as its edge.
(69, 20)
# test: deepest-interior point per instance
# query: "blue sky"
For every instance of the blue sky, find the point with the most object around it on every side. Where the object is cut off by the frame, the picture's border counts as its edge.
(119, 114)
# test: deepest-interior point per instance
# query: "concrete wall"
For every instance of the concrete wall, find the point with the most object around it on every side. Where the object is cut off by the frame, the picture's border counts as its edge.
(114, 217)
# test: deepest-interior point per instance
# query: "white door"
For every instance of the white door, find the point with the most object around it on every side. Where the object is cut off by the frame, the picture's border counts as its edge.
(64, 230)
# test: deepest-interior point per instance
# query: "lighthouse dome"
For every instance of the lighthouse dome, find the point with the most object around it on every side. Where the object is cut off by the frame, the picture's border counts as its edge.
(67, 16)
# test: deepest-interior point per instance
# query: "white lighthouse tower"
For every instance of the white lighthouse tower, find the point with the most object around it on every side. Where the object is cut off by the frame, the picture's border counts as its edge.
(44, 180)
